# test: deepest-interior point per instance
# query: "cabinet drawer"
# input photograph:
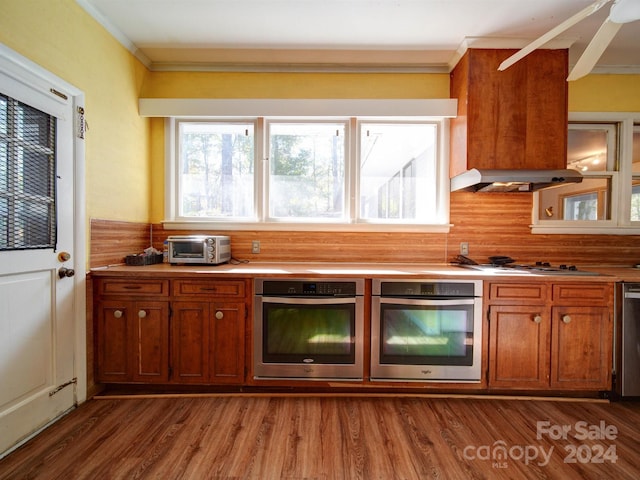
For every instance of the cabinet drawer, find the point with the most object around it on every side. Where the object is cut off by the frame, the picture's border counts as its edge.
(582, 293)
(114, 286)
(209, 288)
(523, 292)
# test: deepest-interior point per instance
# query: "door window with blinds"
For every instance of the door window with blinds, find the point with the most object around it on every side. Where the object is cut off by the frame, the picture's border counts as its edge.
(27, 177)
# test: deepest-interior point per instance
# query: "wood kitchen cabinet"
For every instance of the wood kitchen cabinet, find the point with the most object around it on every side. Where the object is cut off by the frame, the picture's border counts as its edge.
(581, 337)
(514, 119)
(519, 335)
(132, 331)
(170, 330)
(209, 331)
(550, 336)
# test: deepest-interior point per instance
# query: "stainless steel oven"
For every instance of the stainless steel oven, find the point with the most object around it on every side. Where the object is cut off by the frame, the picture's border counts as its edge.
(308, 329)
(426, 330)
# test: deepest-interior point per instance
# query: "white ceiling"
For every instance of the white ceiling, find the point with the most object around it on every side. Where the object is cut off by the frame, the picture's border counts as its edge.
(424, 35)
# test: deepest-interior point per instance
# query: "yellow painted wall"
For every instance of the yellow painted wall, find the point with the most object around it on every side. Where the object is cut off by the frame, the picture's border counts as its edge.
(605, 93)
(61, 37)
(294, 85)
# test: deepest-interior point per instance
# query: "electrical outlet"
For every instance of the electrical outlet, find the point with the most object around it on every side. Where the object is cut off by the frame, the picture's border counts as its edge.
(255, 246)
(464, 248)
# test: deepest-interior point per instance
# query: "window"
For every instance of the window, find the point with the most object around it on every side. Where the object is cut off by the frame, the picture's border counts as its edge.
(635, 176)
(394, 159)
(216, 165)
(321, 171)
(306, 171)
(27, 177)
(607, 153)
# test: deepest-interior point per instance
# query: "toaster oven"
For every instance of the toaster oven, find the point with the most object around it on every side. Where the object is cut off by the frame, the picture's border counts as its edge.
(199, 249)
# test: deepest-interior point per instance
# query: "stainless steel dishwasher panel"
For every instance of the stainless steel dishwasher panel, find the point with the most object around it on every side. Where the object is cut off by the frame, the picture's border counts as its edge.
(630, 341)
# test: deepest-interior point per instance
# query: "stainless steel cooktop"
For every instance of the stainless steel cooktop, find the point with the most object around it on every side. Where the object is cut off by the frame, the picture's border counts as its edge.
(537, 269)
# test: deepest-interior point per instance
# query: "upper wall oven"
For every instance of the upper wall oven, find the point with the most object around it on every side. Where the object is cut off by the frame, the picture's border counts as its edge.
(308, 329)
(426, 330)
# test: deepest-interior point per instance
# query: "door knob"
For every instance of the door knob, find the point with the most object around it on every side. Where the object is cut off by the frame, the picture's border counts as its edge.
(66, 272)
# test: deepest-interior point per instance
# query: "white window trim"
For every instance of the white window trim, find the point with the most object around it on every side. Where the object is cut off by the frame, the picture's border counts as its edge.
(438, 110)
(621, 188)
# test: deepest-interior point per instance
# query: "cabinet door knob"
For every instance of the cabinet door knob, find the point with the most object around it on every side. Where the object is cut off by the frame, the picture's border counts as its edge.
(219, 315)
(537, 318)
(117, 314)
(566, 319)
(142, 314)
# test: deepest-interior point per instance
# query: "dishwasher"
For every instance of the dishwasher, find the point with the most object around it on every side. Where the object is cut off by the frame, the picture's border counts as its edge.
(630, 341)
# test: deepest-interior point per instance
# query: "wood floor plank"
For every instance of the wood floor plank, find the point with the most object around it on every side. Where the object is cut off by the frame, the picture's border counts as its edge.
(327, 438)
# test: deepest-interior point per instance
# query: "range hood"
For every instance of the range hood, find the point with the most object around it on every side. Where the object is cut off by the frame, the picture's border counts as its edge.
(480, 180)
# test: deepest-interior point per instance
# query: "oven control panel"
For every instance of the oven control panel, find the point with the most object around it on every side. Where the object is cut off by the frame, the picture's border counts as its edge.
(395, 288)
(310, 288)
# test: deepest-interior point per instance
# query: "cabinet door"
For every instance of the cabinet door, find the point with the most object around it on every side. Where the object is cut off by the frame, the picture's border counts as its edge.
(190, 344)
(113, 347)
(581, 348)
(227, 342)
(150, 337)
(518, 347)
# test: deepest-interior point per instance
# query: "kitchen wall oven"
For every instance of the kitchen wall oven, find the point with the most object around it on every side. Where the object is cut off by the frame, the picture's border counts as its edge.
(426, 330)
(308, 329)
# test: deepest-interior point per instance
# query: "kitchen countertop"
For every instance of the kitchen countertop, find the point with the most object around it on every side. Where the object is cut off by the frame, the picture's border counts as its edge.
(370, 270)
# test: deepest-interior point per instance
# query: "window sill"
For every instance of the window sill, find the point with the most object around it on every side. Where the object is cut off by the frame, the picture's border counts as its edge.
(308, 227)
(585, 230)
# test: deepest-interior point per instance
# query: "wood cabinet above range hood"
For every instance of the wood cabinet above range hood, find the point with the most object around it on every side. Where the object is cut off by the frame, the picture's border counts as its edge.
(511, 120)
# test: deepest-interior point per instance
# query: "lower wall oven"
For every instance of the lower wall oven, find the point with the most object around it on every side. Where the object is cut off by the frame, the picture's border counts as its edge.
(426, 330)
(308, 329)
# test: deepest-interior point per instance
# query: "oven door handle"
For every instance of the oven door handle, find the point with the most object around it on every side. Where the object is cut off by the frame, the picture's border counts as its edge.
(632, 295)
(310, 301)
(429, 302)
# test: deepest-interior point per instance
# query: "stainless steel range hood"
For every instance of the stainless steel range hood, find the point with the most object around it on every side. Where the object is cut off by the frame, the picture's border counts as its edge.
(475, 180)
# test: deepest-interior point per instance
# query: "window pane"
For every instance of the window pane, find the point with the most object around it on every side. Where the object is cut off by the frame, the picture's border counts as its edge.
(398, 171)
(590, 150)
(635, 180)
(27, 177)
(591, 202)
(216, 170)
(587, 148)
(307, 170)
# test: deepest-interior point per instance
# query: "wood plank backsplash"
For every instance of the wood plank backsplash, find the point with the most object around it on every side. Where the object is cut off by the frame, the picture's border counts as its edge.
(492, 224)
(111, 241)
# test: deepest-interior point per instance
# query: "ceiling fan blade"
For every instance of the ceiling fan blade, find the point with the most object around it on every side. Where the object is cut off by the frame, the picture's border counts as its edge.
(594, 50)
(551, 34)
(625, 11)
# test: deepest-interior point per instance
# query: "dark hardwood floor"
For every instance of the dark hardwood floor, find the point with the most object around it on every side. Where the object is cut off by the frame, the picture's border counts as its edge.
(339, 437)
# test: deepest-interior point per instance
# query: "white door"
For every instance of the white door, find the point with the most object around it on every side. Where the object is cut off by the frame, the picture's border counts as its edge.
(38, 307)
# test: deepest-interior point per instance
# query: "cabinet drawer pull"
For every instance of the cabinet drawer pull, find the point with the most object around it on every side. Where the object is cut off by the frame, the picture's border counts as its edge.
(566, 319)
(207, 289)
(142, 314)
(132, 287)
(219, 315)
(537, 318)
(117, 314)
